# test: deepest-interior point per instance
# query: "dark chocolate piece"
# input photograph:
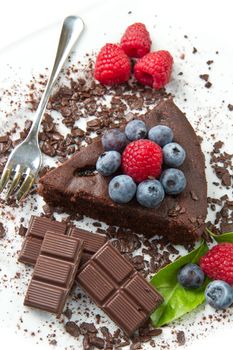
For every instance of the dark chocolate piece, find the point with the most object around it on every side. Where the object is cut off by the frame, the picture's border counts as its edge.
(115, 286)
(54, 272)
(76, 185)
(38, 226)
(92, 242)
(36, 232)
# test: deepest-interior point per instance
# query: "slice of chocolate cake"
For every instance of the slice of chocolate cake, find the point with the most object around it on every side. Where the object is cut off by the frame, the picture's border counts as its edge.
(75, 185)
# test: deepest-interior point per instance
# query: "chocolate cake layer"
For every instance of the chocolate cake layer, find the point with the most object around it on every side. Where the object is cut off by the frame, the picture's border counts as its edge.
(76, 185)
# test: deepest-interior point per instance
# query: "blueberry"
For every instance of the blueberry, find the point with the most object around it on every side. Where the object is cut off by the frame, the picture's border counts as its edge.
(173, 181)
(122, 188)
(135, 130)
(108, 163)
(161, 134)
(191, 276)
(114, 140)
(219, 294)
(173, 154)
(150, 193)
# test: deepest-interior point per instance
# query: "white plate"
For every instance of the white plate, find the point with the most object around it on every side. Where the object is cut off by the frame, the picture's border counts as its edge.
(167, 22)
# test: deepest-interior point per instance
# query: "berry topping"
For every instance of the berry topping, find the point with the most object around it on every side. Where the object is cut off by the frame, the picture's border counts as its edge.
(154, 69)
(136, 40)
(135, 130)
(142, 159)
(112, 65)
(173, 181)
(114, 140)
(173, 154)
(217, 263)
(219, 294)
(108, 163)
(150, 193)
(191, 276)
(122, 189)
(161, 134)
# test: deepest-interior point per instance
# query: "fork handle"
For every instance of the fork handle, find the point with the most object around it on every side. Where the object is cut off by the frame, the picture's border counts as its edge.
(71, 31)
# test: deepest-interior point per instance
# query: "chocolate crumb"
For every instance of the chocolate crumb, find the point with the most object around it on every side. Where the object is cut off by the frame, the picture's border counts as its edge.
(68, 313)
(155, 332)
(22, 230)
(86, 327)
(2, 230)
(136, 346)
(208, 84)
(194, 196)
(96, 342)
(86, 344)
(226, 179)
(230, 107)
(4, 139)
(72, 328)
(204, 77)
(180, 338)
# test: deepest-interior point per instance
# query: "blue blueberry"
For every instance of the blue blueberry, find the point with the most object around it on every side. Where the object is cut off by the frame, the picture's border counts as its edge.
(173, 154)
(135, 130)
(114, 140)
(122, 189)
(108, 163)
(219, 294)
(150, 193)
(173, 181)
(161, 134)
(191, 276)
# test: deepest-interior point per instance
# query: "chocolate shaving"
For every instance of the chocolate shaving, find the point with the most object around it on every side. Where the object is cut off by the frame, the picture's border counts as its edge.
(72, 328)
(2, 231)
(180, 336)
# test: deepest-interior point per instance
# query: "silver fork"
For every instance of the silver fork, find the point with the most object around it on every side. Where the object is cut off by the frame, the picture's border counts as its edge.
(25, 160)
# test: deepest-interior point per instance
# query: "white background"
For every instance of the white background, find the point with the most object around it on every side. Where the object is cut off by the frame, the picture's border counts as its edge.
(210, 21)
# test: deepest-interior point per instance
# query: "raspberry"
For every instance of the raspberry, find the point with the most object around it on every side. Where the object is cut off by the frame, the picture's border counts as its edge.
(217, 263)
(112, 65)
(154, 69)
(136, 40)
(142, 159)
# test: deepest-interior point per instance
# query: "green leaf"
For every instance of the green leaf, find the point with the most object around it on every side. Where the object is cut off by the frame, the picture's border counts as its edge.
(225, 237)
(177, 300)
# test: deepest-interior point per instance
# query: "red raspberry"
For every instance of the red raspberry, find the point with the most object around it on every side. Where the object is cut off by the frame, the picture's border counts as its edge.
(217, 263)
(112, 65)
(142, 159)
(136, 40)
(154, 69)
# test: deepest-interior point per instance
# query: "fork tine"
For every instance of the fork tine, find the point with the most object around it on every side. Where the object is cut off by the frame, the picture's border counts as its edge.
(15, 181)
(26, 186)
(5, 177)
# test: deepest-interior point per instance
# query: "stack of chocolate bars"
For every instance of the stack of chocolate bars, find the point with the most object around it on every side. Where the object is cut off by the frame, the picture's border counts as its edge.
(65, 255)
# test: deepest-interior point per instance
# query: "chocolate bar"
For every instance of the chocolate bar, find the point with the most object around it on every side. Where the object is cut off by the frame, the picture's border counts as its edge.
(92, 242)
(118, 289)
(38, 226)
(54, 272)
